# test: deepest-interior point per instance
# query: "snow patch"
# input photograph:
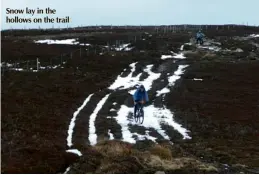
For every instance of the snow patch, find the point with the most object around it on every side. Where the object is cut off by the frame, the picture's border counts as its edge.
(212, 48)
(122, 120)
(172, 79)
(179, 56)
(72, 122)
(66, 41)
(154, 117)
(163, 57)
(17, 69)
(75, 151)
(182, 47)
(239, 50)
(197, 79)
(165, 90)
(85, 44)
(92, 134)
(176, 56)
(68, 168)
(144, 137)
(124, 47)
(152, 77)
(255, 35)
(111, 137)
(130, 81)
(126, 82)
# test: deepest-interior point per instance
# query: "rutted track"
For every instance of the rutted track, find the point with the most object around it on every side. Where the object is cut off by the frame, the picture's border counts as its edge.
(108, 113)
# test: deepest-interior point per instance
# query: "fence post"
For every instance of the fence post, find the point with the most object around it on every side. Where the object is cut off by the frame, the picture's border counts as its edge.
(37, 64)
(61, 59)
(71, 55)
(108, 44)
(27, 65)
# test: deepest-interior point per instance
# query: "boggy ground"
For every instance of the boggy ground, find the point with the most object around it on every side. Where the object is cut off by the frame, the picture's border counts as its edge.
(221, 112)
(37, 109)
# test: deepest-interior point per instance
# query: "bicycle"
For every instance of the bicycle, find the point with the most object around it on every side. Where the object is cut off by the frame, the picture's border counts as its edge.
(139, 117)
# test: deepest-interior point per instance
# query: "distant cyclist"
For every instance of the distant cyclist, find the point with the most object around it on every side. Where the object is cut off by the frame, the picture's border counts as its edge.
(199, 37)
(140, 97)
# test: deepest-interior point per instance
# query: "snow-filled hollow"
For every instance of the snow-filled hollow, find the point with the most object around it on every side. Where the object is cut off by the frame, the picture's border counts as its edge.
(124, 47)
(72, 122)
(172, 79)
(65, 41)
(92, 130)
(176, 56)
(74, 151)
(130, 81)
(154, 118)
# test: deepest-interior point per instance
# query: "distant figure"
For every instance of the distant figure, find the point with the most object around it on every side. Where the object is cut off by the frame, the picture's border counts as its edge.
(140, 97)
(199, 37)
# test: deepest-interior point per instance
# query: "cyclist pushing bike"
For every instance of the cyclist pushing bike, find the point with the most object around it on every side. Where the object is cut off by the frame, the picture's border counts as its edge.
(140, 97)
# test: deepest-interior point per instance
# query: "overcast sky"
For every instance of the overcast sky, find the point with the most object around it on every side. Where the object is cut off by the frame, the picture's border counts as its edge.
(136, 12)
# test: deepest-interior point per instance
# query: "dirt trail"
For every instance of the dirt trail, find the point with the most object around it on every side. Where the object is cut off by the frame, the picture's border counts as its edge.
(114, 117)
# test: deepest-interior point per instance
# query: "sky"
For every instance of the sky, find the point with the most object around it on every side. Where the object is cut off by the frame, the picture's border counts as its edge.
(135, 12)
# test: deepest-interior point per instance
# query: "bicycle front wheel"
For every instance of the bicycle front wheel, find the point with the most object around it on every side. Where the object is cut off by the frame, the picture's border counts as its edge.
(141, 116)
(136, 117)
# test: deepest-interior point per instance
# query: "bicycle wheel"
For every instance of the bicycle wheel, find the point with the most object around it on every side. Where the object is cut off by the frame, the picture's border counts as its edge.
(136, 116)
(141, 116)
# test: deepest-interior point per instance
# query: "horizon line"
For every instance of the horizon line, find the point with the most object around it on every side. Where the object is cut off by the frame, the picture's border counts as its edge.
(126, 25)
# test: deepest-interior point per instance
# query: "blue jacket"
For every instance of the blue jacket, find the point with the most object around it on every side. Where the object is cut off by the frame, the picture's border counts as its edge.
(199, 35)
(138, 95)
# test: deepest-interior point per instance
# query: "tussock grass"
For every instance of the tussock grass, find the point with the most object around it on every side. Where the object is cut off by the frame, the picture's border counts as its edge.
(162, 151)
(120, 157)
(114, 148)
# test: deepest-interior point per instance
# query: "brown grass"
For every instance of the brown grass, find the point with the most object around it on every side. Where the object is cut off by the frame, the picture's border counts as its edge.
(209, 55)
(162, 151)
(114, 157)
(114, 148)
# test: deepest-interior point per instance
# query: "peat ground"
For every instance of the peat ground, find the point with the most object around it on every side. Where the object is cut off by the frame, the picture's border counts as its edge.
(221, 112)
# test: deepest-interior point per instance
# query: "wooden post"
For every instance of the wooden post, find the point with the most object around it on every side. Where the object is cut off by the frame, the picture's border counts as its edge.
(37, 64)
(61, 59)
(71, 55)
(27, 65)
